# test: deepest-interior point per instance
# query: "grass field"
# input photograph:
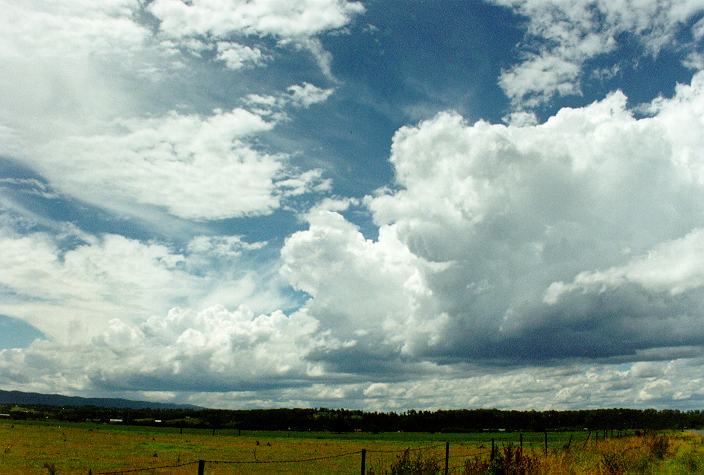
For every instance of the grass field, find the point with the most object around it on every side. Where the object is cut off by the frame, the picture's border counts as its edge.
(31, 447)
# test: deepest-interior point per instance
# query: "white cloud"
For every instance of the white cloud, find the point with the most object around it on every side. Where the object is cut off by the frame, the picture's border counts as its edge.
(483, 219)
(675, 267)
(64, 66)
(291, 23)
(75, 110)
(237, 56)
(698, 30)
(194, 167)
(213, 349)
(694, 60)
(70, 284)
(281, 19)
(236, 359)
(521, 118)
(222, 246)
(69, 29)
(509, 210)
(311, 181)
(69, 294)
(297, 95)
(563, 36)
(370, 295)
(539, 77)
(307, 94)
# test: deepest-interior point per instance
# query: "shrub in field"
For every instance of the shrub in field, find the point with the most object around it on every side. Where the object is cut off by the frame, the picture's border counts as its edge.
(512, 461)
(659, 446)
(476, 466)
(418, 465)
(691, 462)
(614, 463)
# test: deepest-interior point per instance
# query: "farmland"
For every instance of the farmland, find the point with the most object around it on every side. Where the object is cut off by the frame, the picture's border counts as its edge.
(39, 446)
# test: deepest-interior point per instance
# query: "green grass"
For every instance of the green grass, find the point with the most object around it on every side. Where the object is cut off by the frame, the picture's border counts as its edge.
(25, 446)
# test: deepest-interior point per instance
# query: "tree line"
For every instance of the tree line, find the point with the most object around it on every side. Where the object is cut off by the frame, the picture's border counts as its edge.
(344, 420)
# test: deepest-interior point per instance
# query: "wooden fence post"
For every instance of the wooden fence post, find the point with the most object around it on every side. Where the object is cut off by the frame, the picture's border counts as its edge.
(364, 461)
(201, 467)
(520, 438)
(493, 450)
(447, 457)
(546, 443)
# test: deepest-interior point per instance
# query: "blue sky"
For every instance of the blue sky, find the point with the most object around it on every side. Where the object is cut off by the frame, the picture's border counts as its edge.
(372, 204)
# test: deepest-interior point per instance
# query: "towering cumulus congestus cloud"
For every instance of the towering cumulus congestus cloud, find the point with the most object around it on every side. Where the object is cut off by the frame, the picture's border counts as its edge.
(523, 243)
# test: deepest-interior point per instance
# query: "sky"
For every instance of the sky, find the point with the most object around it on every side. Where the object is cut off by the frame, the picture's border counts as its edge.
(374, 204)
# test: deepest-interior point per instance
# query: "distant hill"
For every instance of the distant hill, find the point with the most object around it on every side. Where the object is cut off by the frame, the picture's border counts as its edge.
(19, 397)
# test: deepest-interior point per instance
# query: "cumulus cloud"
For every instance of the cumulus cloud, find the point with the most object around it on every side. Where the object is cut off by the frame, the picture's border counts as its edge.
(562, 36)
(505, 212)
(674, 267)
(375, 317)
(301, 95)
(297, 23)
(222, 246)
(214, 348)
(64, 291)
(71, 111)
(220, 18)
(596, 208)
(240, 359)
(307, 94)
(237, 56)
(70, 29)
(192, 166)
(69, 284)
(64, 63)
(211, 350)
(188, 164)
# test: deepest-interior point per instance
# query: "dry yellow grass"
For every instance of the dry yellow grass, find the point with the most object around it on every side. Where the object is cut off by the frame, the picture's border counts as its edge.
(26, 448)
(78, 448)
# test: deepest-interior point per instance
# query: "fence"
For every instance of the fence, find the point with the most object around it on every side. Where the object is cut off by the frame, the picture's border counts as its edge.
(363, 454)
(449, 462)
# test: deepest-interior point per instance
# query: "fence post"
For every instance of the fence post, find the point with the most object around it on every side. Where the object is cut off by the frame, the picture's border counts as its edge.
(520, 439)
(447, 457)
(364, 461)
(493, 450)
(201, 467)
(546, 443)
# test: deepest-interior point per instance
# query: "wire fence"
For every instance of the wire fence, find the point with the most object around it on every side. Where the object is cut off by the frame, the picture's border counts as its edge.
(372, 461)
(365, 463)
